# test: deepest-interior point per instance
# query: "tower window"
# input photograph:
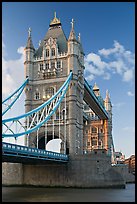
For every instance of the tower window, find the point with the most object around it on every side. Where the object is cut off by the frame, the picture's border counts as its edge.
(41, 67)
(58, 64)
(47, 65)
(94, 130)
(37, 95)
(47, 52)
(49, 92)
(94, 142)
(53, 51)
(52, 65)
(88, 143)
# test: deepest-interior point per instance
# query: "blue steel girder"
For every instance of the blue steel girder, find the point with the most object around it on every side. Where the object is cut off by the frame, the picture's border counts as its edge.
(13, 97)
(93, 102)
(23, 154)
(10, 124)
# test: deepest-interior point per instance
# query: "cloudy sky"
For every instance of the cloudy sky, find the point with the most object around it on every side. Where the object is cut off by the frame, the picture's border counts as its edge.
(108, 37)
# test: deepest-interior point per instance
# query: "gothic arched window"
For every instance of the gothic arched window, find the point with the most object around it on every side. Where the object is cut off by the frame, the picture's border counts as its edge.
(58, 64)
(47, 52)
(94, 130)
(49, 92)
(52, 65)
(47, 65)
(53, 51)
(37, 95)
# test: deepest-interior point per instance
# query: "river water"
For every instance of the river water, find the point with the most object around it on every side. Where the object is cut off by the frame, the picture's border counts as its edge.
(36, 194)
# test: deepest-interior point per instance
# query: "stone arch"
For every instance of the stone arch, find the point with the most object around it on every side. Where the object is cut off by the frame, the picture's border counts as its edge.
(41, 142)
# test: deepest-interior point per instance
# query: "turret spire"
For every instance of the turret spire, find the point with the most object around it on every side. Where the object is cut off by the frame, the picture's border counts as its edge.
(107, 95)
(29, 31)
(55, 21)
(29, 42)
(72, 35)
(79, 37)
(72, 23)
(55, 14)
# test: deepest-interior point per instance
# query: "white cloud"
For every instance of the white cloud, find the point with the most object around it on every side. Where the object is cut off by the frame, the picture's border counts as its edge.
(118, 105)
(129, 93)
(128, 75)
(12, 72)
(110, 61)
(117, 48)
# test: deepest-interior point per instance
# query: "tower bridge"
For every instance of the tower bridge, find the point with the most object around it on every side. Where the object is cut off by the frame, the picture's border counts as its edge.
(60, 104)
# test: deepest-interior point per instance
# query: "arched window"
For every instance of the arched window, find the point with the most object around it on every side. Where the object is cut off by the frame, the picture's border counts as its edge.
(40, 67)
(47, 52)
(49, 92)
(93, 142)
(53, 52)
(94, 130)
(58, 64)
(52, 65)
(47, 65)
(37, 95)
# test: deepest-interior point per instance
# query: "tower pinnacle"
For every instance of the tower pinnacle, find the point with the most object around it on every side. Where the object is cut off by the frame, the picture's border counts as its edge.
(72, 23)
(55, 21)
(72, 35)
(79, 37)
(29, 31)
(29, 42)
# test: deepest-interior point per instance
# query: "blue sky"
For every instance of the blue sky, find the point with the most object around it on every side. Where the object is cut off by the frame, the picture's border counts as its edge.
(108, 37)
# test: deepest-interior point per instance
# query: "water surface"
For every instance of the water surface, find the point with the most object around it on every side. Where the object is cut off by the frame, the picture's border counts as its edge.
(36, 194)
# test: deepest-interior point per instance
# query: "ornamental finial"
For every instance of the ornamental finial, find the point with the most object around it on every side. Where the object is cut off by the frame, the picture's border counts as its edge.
(39, 42)
(55, 20)
(55, 14)
(79, 37)
(72, 23)
(29, 31)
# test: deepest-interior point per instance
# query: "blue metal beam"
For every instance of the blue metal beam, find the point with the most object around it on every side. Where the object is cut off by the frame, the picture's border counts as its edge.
(99, 107)
(20, 90)
(19, 153)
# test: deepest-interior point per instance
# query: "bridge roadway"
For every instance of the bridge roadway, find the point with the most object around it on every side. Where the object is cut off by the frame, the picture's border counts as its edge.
(23, 154)
(93, 102)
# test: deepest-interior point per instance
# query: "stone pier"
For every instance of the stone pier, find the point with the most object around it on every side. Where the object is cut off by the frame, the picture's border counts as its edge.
(83, 171)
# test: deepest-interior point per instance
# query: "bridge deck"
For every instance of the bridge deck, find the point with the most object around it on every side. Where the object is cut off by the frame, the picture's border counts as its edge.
(22, 154)
(91, 99)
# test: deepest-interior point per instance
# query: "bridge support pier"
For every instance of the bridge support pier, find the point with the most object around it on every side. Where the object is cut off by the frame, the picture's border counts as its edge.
(85, 171)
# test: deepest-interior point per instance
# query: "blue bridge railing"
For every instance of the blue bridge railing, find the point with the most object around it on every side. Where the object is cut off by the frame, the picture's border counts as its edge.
(13, 150)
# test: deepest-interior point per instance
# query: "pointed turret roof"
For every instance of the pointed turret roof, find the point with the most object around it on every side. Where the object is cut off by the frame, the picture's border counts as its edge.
(80, 45)
(95, 87)
(56, 32)
(107, 96)
(55, 21)
(29, 41)
(72, 35)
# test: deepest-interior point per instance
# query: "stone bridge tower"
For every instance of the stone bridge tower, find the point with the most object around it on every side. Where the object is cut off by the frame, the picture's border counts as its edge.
(47, 68)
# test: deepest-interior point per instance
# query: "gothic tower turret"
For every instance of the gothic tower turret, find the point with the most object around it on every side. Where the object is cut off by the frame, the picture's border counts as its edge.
(96, 90)
(48, 68)
(29, 56)
(108, 107)
(29, 67)
(76, 92)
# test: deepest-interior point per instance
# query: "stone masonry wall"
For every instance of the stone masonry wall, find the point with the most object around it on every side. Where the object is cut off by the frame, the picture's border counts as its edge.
(80, 171)
(12, 174)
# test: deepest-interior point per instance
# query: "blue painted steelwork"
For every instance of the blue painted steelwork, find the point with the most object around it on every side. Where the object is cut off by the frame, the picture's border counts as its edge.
(20, 90)
(62, 89)
(88, 87)
(13, 150)
(86, 116)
